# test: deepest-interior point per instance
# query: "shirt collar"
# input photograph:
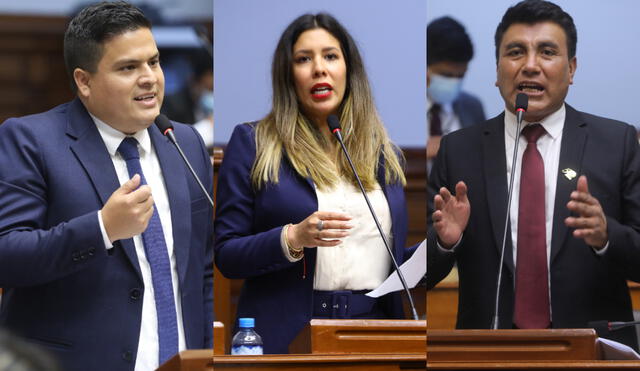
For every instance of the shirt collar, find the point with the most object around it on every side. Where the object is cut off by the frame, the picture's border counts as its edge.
(553, 124)
(112, 137)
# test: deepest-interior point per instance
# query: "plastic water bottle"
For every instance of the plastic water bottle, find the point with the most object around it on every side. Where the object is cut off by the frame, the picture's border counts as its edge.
(246, 341)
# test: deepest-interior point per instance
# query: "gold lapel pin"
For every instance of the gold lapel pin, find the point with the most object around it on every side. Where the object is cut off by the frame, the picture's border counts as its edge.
(569, 173)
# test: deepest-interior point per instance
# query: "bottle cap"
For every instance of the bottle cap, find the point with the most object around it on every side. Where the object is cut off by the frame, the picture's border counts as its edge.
(246, 322)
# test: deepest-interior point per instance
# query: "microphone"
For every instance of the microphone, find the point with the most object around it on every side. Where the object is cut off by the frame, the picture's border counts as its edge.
(166, 128)
(334, 127)
(522, 103)
(603, 328)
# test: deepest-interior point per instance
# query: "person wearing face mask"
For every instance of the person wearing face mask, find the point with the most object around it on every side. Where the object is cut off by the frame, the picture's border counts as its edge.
(194, 102)
(290, 219)
(449, 51)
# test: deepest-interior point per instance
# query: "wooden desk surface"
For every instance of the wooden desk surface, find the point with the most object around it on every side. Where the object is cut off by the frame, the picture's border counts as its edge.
(557, 365)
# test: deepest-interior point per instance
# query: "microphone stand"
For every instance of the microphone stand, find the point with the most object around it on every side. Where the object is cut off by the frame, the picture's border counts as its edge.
(336, 132)
(519, 115)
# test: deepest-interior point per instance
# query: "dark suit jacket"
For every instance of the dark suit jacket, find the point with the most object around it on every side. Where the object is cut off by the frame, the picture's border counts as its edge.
(584, 286)
(62, 289)
(248, 224)
(468, 109)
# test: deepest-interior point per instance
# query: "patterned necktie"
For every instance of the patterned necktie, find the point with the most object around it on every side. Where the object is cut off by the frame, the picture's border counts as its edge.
(435, 123)
(155, 248)
(532, 286)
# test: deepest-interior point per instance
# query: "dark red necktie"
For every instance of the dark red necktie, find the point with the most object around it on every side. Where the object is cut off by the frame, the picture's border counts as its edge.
(435, 123)
(532, 287)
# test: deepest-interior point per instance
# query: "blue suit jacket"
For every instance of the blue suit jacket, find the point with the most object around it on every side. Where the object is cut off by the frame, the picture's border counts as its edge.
(248, 225)
(63, 289)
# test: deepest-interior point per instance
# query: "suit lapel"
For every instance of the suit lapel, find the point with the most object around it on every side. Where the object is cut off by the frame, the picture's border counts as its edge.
(395, 209)
(175, 177)
(90, 150)
(496, 185)
(574, 137)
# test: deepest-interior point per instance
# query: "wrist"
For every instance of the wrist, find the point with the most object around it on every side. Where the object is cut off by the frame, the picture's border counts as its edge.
(293, 248)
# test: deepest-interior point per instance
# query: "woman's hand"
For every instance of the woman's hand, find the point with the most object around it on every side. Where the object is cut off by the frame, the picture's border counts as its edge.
(322, 228)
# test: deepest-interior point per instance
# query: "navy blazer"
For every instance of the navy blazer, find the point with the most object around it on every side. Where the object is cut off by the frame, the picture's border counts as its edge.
(62, 289)
(248, 224)
(584, 286)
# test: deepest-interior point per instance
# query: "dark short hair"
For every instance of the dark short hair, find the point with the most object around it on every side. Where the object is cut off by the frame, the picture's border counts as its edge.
(92, 27)
(536, 11)
(448, 41)
(281, 71)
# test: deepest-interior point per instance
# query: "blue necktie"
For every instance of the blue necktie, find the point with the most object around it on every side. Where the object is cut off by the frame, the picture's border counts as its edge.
(158, 256)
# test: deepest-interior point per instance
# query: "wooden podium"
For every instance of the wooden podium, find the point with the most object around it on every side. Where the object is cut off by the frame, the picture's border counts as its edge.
(190, 360)
(218, 337)
(357, 345)
(331, 336)
(551, 349)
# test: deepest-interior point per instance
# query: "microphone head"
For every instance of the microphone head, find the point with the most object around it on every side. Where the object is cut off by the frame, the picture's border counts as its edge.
(334, 123)
(522, 102)
(164, 124)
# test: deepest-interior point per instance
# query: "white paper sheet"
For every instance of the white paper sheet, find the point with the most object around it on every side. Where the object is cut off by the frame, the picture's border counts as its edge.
(612, 350)
(413, 270)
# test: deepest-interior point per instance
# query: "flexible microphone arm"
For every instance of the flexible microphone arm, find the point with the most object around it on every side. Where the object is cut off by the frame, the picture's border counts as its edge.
(522, 101)
(166, 129)
(334, 126)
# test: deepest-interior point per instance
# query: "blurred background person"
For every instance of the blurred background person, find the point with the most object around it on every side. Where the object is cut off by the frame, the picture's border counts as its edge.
(193, 103)
(449, 51)
(285, 188)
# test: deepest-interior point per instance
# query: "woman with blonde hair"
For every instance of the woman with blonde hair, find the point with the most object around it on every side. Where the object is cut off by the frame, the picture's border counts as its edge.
(290, 219)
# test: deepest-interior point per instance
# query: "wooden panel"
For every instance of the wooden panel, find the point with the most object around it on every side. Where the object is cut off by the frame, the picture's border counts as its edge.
(322, 336)
(190, 360)
(442, 302)
(226, 292)
(511, 345)
(32, 72)
(332, 362)
(519, 365)
(218, 337)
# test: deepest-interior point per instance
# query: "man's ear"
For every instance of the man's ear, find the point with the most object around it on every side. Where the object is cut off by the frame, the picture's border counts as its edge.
(83, 82)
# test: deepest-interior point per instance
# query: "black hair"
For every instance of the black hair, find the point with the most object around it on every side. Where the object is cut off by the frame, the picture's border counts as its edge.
(536, 11)
(92, 27)
(448, 41)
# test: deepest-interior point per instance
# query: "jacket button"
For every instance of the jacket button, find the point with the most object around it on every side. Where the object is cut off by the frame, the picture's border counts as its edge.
(92, 251)
(134, 294)
(127, 356)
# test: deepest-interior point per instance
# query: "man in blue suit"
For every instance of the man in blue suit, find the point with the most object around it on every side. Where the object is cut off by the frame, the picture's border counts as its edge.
(105, 239)
(449, 51)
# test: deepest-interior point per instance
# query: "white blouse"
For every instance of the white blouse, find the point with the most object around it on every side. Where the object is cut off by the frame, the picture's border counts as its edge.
(361, 261)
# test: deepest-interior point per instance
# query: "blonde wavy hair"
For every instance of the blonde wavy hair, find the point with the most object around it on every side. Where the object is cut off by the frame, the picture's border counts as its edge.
(286, 130)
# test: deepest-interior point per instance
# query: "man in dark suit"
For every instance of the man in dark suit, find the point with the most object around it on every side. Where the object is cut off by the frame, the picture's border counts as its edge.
(449, 51)
(572, 239)
(94, 268)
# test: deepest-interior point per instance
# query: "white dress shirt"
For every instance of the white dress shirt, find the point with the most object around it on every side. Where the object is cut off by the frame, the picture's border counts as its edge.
(148, 346)
(449, 120)
(361, 261)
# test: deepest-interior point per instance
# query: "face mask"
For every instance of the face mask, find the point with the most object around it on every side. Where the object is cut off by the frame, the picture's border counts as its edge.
(206, 102)
(444, 90)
